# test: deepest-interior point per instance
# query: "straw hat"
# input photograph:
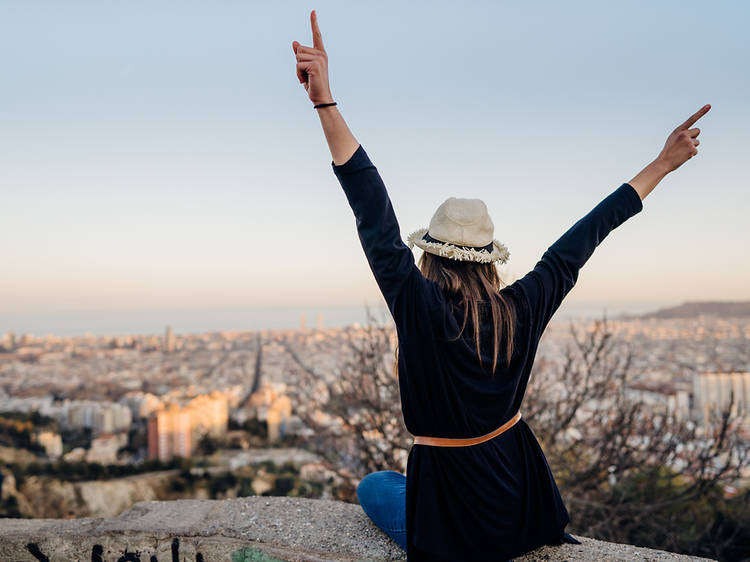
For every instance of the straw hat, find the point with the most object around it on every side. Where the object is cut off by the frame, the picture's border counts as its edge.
(461, 229)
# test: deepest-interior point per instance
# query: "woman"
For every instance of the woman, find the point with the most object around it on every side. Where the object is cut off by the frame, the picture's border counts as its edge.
(478, 486)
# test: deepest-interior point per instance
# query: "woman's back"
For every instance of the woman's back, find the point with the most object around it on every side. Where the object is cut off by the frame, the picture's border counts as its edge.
(495, 498)
(483, 398)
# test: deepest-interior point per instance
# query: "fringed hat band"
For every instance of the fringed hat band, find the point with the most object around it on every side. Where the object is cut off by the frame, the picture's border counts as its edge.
(496, 251)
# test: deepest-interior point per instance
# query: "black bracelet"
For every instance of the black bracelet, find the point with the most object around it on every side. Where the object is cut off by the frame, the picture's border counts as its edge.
(324, 105)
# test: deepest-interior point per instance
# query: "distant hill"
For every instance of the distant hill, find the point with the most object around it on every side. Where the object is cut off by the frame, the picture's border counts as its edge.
(693, 309)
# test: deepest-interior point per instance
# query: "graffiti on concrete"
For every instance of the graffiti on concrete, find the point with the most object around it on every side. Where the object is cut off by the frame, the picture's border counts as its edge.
(97, 554)
(246, 554)
(36, 553)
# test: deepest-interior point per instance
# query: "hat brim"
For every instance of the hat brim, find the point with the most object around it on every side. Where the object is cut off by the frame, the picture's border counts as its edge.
(499, 252)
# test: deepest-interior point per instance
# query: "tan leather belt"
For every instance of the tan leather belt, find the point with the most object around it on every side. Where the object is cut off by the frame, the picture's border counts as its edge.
(460, 442)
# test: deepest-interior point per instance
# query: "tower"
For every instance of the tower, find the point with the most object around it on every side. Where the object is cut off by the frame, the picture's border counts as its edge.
(169, 339)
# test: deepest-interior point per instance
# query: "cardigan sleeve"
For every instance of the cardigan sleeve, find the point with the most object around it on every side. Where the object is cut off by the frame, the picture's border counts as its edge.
(392, 262)
(556, 272)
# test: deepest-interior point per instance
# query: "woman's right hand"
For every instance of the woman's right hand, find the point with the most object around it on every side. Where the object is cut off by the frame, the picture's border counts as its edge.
(682, 143)
(312, 65)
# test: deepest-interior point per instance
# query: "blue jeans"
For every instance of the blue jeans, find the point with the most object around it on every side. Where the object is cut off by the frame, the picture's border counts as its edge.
(382, 495)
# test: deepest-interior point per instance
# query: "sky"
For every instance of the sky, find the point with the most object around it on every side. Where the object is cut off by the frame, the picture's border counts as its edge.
(164, 155)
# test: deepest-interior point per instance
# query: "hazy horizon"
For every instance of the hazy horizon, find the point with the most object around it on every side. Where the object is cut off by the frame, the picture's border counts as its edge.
(169, 159)
(192, 320)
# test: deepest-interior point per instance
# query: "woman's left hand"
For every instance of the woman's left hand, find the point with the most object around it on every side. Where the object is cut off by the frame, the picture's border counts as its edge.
(682, 143)
(312, 65)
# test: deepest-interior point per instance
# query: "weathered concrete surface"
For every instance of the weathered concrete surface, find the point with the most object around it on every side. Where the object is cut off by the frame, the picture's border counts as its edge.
(255, 528)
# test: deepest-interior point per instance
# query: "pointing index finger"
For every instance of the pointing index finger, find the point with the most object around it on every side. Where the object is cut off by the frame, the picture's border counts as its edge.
(695, 116)
(317, 37)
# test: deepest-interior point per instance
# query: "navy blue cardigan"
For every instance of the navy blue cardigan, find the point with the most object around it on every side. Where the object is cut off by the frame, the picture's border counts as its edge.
(497, 499)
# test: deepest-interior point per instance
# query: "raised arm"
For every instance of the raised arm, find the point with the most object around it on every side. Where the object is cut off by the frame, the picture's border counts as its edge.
(556, 272)
(391, 261)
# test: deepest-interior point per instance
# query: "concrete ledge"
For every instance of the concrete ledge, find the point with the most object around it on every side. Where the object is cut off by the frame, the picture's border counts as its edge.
(255, 528)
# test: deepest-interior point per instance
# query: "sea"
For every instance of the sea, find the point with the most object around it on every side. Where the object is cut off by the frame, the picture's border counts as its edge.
(193, 320)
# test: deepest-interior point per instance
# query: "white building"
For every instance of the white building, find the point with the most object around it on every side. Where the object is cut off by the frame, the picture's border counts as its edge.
(712, 392)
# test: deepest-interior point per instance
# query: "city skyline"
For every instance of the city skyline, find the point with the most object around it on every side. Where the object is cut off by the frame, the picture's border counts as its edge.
(187, 170)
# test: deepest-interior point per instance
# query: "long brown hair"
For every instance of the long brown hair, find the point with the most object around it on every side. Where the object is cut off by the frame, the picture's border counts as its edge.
(476, 283)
